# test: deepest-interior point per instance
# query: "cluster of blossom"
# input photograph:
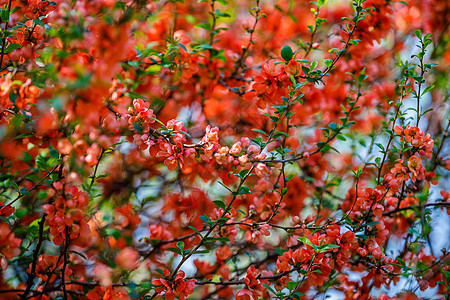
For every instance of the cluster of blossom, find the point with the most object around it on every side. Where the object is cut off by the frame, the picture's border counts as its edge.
(172, 147)
(101, 293)
(431, 276)
(49, 265)
(140, 117)
(271, 84)
(370, 200)
(9, 244)
(254, 288)
(6, 210)
(240, 154)
(176, 288)
(154, 50)
(67, 214)
(24, 94)
(422, 145)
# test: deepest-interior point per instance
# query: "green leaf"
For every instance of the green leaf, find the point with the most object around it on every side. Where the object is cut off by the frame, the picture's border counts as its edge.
(205, 219)
(429, 88)
(38, 22)
(115, 233)
(260, 131)
(287, 53)
(332, 125)
(330, 246)
(24, 191)
(221, 239)
(221, 14)
(134, 63)
(160, 271)
(243, 190)
(11, 47)
(54, 153)
(325, 148)
(270, 288)
(80, 254)
(196, 230)
(180, 245)
(418, 34)
(174, 250)
(14, 9)
(219, 204)
(305, 240)
(27, 157)
(203, 26)
(242, 173)
(221, 183)
(291, 285)
(4, 14)
(134, 295)
(298, 295)
(200, 252)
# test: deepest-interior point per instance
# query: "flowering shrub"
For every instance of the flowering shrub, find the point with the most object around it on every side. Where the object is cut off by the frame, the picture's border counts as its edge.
(224, 149)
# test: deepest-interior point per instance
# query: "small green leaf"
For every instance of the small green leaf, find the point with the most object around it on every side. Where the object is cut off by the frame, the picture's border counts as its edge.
(298, 295)
(11, 47)
(418, 34)
(4, 14)
(429, 88)
(180, 245)
(196, 230)
(174, 250)
(203, 26)
(78, 253)
(115, 233)
(221, 183)
(260, 131)
(219, 204)
(332, 125)
(291, 285)
(134, 295)
(305, 240)
(331, 246)
(287, 53)
(200, 252)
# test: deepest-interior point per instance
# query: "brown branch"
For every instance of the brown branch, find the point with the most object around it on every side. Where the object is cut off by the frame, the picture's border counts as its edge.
(411, 207)
(435, 160)
(96, 168)
(32, 188)
(241, 59)
(4, 33)
(65, 261)
(35, 258)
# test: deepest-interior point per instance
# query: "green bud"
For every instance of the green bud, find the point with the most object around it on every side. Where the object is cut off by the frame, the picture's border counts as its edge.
(286, 53)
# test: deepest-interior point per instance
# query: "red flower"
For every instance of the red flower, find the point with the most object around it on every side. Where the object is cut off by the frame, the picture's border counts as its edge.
(416, 168)
(179, 287)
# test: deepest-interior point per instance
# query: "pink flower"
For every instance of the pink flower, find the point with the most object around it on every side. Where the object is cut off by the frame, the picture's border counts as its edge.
(211, 135)
(261, 170)
(244, 294)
